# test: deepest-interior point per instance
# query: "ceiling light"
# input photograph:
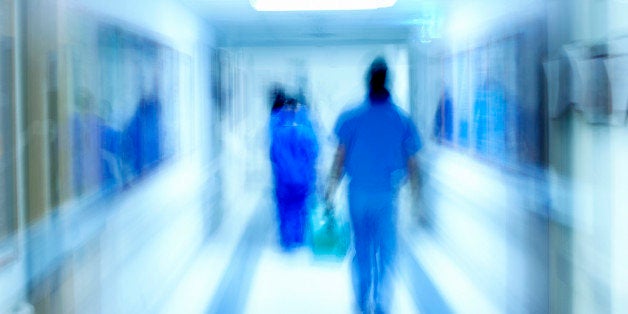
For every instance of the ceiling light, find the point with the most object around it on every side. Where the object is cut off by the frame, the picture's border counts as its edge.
(464, 23)
(320, 5)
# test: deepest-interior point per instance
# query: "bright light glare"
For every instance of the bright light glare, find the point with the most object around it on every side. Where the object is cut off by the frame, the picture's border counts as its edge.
(319, 5)
(463, 24)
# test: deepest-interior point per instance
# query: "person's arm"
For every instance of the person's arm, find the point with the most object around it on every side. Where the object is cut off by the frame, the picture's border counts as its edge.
(337, 171)
(415, 188)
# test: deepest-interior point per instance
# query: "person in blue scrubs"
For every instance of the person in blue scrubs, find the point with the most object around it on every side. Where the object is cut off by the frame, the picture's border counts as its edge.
(293, 154)
(443, 119)
(141, 139)
(377, 144)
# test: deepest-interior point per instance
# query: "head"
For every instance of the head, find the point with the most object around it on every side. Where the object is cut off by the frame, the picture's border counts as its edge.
(377, 75)
(292, 103)
(278, 98)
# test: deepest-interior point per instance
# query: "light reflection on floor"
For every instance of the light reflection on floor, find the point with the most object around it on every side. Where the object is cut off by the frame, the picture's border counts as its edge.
(295, 283)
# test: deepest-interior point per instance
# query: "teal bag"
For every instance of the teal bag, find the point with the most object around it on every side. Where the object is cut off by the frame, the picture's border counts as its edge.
(330, 234)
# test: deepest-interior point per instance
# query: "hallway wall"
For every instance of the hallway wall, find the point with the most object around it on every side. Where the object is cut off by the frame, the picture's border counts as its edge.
(586, 155)
(79, 232)
(475, 206)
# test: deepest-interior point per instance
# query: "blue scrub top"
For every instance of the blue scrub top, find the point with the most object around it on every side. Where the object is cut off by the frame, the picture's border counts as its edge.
(379, 138)
(294, 148)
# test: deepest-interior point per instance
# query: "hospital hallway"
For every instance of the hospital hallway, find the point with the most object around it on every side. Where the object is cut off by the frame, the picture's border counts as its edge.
(139, 144)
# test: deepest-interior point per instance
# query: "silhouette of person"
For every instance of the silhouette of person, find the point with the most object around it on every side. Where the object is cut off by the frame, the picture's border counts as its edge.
(377, 143)
(293, 154)
(443, 119)
(142, 136)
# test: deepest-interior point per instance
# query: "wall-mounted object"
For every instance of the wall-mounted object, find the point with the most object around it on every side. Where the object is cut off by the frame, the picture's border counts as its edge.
(618, 77)
(591, 88)
(575, 55)
(598, 102)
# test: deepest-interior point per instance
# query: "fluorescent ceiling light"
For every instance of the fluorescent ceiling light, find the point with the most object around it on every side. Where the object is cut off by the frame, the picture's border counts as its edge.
(319, 5)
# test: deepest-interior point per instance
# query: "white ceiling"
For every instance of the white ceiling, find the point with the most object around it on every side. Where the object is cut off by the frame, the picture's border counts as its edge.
(236, 23)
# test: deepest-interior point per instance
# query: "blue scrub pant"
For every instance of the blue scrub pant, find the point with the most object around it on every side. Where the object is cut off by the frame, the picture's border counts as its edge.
(373, 217)
(292, 214)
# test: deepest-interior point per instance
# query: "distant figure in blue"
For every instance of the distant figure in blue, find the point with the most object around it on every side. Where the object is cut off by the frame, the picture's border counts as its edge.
(142, 136)
(293, 153)
(377, 144)
(443, 119)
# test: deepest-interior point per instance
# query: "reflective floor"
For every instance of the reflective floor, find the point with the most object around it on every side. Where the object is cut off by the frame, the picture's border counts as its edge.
(169, 246)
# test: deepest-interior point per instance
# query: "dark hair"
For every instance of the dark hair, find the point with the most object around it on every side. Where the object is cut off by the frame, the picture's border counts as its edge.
(377, 73)
(278, 96)
(377, 79)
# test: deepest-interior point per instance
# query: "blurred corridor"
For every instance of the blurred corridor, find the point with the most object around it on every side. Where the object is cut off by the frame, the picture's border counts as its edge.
(135, 174)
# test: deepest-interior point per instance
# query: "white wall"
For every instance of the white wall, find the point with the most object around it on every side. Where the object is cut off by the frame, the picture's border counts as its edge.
(619, 201)
(617, 22)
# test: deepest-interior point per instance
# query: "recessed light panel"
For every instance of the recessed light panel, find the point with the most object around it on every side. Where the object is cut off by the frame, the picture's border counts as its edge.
(320, 5)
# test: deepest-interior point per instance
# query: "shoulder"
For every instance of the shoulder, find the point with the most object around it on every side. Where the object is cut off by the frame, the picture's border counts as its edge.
(403, 115)
(407, 124)
(352, 112)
